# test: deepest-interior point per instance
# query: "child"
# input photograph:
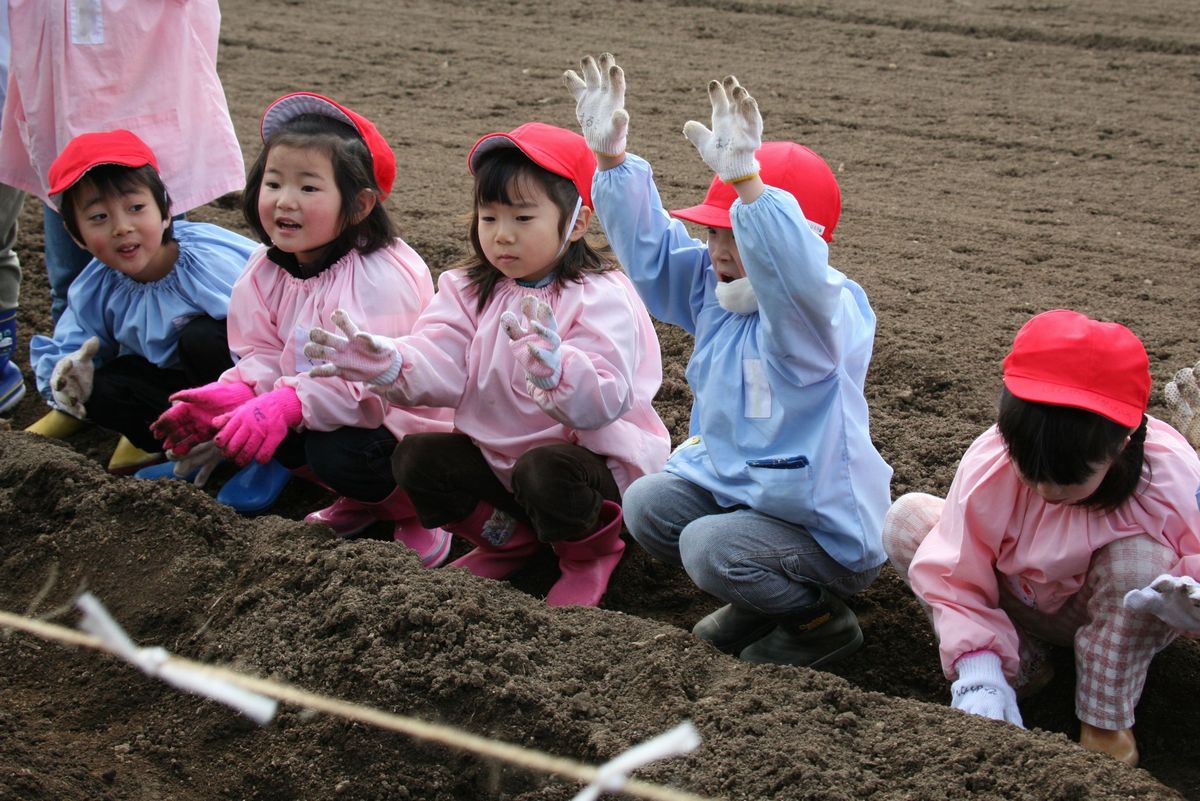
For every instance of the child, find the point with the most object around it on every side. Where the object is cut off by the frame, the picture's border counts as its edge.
(1072, 500)
(146, 318)
(315, 197)
(550, 362)
(775, 502)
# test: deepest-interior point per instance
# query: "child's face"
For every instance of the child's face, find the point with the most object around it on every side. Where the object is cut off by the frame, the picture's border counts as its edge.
(1071, 493)
(522, 240)
(723, 251)
(124, 231)
(299, 203)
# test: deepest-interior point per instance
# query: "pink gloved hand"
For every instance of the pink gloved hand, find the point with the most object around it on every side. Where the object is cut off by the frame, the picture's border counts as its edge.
(536, 346)
(255, 429)
(357, 356)
(190, 420)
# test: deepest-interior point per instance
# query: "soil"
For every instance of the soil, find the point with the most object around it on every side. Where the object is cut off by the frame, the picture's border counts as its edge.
(996, 159)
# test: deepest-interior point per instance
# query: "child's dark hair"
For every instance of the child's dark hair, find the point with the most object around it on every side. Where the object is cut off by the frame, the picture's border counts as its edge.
(498, 179)
(352, 171)
(1063, 445)
(114, 180)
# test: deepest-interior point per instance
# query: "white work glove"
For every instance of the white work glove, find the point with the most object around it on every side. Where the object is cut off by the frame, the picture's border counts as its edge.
(981, 688)
(600, 103)
(1183, 399)
(537, 350)
(71, 381)
(357, 356)
(1175, 600)
(202, 459)
(736, 132)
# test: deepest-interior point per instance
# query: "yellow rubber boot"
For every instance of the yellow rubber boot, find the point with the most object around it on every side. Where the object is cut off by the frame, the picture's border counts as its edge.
(1118, 744)
(56, 425)
(128, 458)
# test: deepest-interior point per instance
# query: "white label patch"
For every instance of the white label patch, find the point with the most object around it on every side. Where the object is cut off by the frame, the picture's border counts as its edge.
(87, 22)
(300, 338)
(757, 391)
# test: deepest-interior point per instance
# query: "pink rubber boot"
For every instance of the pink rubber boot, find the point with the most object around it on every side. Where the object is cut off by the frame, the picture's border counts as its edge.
(346, 516)
(588, 564)
(502, 544)
(432, 545)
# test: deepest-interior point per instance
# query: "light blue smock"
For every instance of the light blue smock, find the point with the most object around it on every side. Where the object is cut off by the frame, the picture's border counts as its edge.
(130, 317)
(779, 420)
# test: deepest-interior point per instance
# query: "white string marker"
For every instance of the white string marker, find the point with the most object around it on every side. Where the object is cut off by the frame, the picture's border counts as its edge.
(155, 662)
(612, 775)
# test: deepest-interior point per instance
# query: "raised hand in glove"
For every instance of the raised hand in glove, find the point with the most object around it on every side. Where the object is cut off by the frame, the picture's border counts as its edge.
(201, 460)
(357, 356)
(728, 149)
(536, 345)
(1175, 600)
(71, 381)
(255, 429)
(981, 688)
(190, 420)
(1183, 399)
(600, 103)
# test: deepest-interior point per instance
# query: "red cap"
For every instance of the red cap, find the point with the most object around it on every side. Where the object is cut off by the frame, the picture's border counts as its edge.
(555, 149)
(1063, 358)
(288, 107)
(788, 166)
(93, 149)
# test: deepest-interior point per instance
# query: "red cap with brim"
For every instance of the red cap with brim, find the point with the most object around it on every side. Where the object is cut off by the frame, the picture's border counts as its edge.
(288, 107)
(92, 150)
(557, 150)
(1064, 358)
(785, 165)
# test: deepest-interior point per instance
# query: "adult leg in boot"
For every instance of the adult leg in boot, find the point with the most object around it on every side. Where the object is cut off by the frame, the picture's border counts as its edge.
(817, 635)
(503, 544)
(1118, 744)
(588, 564)
(731, 628)
(129, 458)
(56, 425)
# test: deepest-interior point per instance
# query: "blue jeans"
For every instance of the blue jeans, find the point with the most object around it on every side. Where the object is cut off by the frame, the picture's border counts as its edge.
(65, 260)
(743, 557)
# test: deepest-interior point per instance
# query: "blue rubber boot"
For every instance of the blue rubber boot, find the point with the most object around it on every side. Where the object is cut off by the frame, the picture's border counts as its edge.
(12, 383)
(255, 488)
(165, 470)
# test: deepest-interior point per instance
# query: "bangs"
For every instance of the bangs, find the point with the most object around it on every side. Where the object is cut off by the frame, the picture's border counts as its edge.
(1056, 444)
(508, 176)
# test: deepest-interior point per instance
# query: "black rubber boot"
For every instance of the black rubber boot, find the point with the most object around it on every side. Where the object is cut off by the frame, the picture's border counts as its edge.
(817, 635)
(732, 628)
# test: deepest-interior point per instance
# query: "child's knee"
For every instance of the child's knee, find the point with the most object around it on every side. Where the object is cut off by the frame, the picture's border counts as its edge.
(906, 524)
(1131, 563)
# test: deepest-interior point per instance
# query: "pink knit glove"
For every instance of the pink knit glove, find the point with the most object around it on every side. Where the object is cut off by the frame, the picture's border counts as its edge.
(357, 356)
(536, 345)
(255, 429)
(190, 420)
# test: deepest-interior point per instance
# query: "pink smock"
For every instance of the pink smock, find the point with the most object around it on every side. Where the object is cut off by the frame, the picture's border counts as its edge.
(996, 528)
(611, 369)
(148, 66)
(272, 311)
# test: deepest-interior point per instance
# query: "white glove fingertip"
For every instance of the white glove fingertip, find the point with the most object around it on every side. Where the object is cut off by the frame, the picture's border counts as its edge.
(329, 370)
(697, 133)
(574, 83)
(342, 320)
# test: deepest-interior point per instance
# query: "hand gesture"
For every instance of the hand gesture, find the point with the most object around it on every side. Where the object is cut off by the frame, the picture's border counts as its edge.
(981, 688)
(255, 429)
(1183, 399)
(600, 103)
(728, 149)
(357, 356)
(71, 381)
(537, 350)
(189, 421)
(202, 460)
(1175, 600)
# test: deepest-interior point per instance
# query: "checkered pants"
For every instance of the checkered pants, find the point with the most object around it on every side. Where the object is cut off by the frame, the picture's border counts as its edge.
(1113, 645)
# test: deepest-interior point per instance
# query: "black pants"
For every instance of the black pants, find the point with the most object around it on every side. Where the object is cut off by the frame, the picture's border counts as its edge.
(557, 489)
(129, 393)
(355, 462)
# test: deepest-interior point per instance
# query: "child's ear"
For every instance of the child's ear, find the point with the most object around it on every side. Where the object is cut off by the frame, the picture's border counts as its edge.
(364, 204)
(581, 223)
